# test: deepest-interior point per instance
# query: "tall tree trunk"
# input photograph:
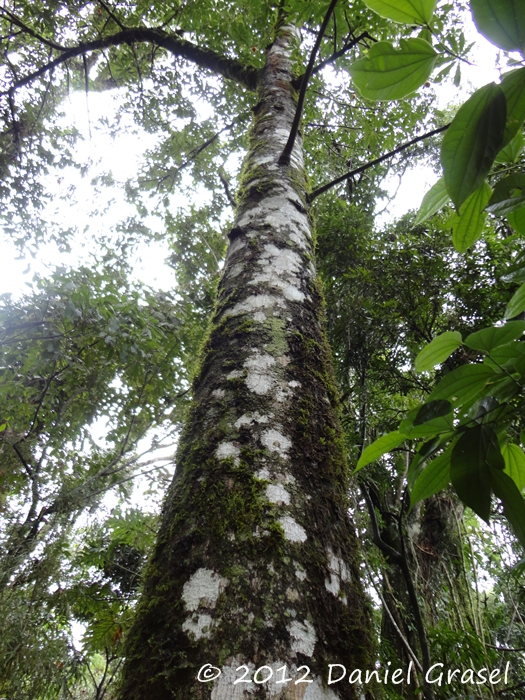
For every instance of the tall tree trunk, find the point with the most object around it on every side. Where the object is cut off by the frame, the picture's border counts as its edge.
(256, 560)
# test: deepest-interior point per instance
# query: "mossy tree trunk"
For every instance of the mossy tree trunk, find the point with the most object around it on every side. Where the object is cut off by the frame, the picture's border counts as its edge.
(257, 560)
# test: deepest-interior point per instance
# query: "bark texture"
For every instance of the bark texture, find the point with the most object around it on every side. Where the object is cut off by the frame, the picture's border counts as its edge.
(256, 561)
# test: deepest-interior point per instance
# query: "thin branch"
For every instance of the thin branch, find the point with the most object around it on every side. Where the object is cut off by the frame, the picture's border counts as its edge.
(226, 185)
(204, 58)
(112, 14)
(191, 155)
(389, 551)
(366, 166)
(285, 155)
(21, 457)
(337, 54)
(27, 30)
(400, 634)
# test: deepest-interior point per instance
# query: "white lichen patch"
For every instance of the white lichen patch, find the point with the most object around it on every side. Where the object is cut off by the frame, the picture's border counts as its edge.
(224, 688)
(263, 474)
(277, 494)
(275, 441)
(200, 628)
(260, 378)
(235, 246)
(202, 589)
(249, 418)
(294, 384)
(338, 573)
(300, 573)
(235, 374)
(293, 532)
(234, 270)
(218, 393)
(302, 637)
(318, 691)
(276, 213)
(226, 450)
(292, 594)
(254, 304)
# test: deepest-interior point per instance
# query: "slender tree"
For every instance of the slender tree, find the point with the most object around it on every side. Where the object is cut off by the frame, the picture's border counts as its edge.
(257, 561)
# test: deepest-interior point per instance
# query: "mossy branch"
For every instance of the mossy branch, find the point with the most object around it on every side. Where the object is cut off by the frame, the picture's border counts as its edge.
(202, 57)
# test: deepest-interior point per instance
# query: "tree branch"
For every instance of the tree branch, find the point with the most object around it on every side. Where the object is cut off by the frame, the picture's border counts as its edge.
(366, 166)
(112, 14)
(204, 58)
(285, 155)
(337, 54)
(387, 550)
(27, 30)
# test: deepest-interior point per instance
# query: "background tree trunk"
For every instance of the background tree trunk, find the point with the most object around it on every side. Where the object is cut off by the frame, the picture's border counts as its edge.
(257, 560)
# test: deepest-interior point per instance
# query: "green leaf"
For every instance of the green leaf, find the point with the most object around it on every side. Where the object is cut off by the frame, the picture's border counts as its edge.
(387, 73)
(474, 452)
(514, 464)
(508, 355)
(468, 226)
(513, 503)
(434, 478)
(517, 220)
(513, 86)
(517, 304)
(430, 419)
(441, 347)
(380, 447)
(508, 195)
(463, 384)
(489, 338)
(472, 142)
(434, 200)
(511, 152)
(502, 22)
(404, 11)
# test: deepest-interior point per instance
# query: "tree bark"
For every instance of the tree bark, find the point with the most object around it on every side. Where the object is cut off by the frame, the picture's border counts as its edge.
(257, 560)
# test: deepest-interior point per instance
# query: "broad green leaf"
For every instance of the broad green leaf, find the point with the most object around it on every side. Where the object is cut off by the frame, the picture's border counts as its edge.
(517, 220)
(428, 420)
(511, 152)
(475, 451)
(513, 86)
(468, 226)
(380, 447)
(404, 11)
(502, 22)
(441, 347)
(489, 338)
(434, 478)
(388, 73)
(517, 304)
(513, 503)
(434, 426)
(507, 355)
(514, 464)
(508, 195)
(463, 384)
(472, 142)
(434, 200)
